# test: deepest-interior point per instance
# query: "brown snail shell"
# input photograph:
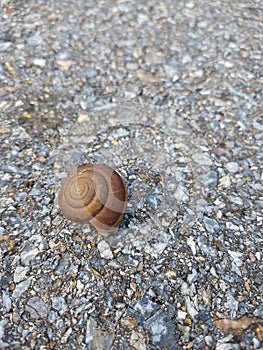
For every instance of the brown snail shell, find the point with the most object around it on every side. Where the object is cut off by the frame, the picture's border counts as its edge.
(94, 194)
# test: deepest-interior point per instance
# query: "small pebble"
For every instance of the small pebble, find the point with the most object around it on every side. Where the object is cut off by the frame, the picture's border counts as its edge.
(20, 273)
(209, 179)
(37, 308)
(21, 288)
(232, 167)
(105, 250)
(211, 225)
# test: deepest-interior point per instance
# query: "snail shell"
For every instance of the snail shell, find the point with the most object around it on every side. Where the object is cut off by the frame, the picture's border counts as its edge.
(94, 194)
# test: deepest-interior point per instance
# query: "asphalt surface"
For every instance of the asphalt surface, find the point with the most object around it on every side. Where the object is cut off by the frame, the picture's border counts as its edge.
(170, 95)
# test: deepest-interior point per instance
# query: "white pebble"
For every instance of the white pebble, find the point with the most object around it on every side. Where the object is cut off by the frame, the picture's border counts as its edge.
(232, 167)
(104, 250)
(20, 273)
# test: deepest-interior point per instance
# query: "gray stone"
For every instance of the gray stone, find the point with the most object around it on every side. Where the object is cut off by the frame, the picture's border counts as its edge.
(226, 343)
(59, 304)
(38, 166)
(96, 338)
(21, 288)
(36, 308)
(155, 197)
(88, 73)
(209, 179)
(162, 331)
(181, 193)
(231, 304)
(197, 74)
(52, 317)
(35, 40)
(28, 254)
(235, 269)
(256, 343)
(259, 312)
(144, 309)
(5, 46)
(188, 289)
(211, 225)
(44, 151)
(179, 176)
(232, 167)
(191, 310)
(20, 273)
(7, 303)
(202, 159)
(3, 344)
(35, 192)
(235, 199)
(236, 256)
(209, 341)
(2, 231)
(172, 70)
(205, 248)
(62, 266)
(193, 276)
(12, 168)
(39, 62)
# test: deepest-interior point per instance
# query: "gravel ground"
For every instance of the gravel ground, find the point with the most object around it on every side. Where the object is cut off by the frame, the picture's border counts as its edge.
(169, 94)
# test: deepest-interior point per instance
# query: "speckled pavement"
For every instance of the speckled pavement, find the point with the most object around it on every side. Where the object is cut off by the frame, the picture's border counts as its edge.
(170, 95)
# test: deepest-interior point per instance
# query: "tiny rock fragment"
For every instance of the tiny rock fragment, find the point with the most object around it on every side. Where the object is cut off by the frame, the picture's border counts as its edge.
(232, 167)
(129, 322)
(11, 10)
(66, 335)
(10, 242)
(26, 115)
(37, 308)
(236, 257)
(188, 321)
(4, 130)
(20, 273)
(211, 225)
(64, 64)
(105, 250)
(10, 68)
(191, 243)
(5, 46)
(83, 118)
(6, 90)
(225, 181)
(202, 158)
(28, 254)
(170, 274)
(52, 17)
(137, 341)
(259, 332)
(21, 288)
(40, 62)
(147, 78)
(191, 308)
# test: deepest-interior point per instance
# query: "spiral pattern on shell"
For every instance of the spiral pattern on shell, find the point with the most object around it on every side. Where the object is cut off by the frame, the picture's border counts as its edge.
(94, 194)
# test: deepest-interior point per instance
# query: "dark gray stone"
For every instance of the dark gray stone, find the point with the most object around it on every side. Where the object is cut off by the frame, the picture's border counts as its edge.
(162, 331)
(144, 309)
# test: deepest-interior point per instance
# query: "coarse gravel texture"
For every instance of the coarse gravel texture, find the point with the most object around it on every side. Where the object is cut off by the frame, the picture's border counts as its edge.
(169, 93)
